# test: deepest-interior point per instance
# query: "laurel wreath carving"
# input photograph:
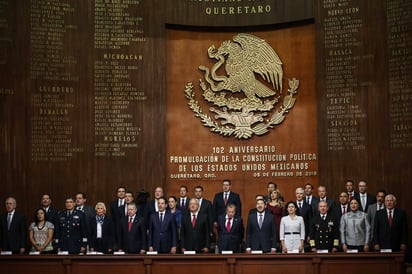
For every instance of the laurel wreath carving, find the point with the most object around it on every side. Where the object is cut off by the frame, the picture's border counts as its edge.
(241, 108)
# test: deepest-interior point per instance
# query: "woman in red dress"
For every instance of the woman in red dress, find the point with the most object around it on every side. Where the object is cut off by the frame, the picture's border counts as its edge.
(276, 207)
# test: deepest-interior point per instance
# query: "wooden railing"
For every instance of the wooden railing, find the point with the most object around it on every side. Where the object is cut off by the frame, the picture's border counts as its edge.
(307, 263)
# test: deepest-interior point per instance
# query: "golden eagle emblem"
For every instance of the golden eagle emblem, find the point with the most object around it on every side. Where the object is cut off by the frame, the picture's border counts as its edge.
(247, 60)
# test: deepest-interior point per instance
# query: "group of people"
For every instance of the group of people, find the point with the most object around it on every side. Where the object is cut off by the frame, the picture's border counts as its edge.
(360, 222)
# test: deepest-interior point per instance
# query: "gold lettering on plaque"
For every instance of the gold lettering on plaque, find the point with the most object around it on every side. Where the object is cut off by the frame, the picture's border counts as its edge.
(244, 58)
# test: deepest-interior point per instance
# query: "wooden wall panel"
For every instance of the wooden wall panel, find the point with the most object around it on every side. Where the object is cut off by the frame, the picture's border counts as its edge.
(187, 136)
(362, 69)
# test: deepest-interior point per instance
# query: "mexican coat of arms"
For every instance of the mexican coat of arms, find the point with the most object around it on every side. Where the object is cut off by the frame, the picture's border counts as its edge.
(243, 104)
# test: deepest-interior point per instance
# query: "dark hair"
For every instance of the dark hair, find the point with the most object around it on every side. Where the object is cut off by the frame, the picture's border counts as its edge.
(81, 193)
(201, 187)
(173, 197)
(142, 197)
(185, 187)
(36, 219)
(227, 180)
(356, 199)
(308, 184)
(272, 183)
(381, 190)
(291, 202)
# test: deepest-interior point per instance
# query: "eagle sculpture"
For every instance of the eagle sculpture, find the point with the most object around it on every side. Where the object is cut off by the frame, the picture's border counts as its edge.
(246, 56)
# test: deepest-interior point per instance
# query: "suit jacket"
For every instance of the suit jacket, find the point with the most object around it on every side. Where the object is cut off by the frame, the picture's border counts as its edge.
(324, 234)
(206, 208)
(135, 240)
(14, 238)
(162, 236)
(337, 211)
(72, 231)
(117, 213)
(89, 214)
(372, 209)
(370, 199)
(264, 238)
(186, 206)
(108, 235)
(198, 237)
(52, 215)
(219, 206)
(230, 240)
(306, 213)
(390, 236)
(315, 204)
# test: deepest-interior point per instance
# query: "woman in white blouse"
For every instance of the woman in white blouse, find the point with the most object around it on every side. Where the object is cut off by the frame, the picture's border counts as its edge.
(292, 230)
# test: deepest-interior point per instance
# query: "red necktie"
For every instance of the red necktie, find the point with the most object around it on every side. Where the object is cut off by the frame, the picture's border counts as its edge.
(390, 218)
(344, 210)
(194, 221)
(225, 198)
(228, 224)
(130, 224)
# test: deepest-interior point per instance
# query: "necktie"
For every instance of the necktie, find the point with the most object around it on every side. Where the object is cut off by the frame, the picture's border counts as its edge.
(350, 196)
(390, 218)
(225, 198)
(161, 217)
(130, 224)
(228, 224)
(300, 205)
(8, 221)
(363, 202)
(183, 203)
(323, 217)
(193, 220)
(260, 220)
(344, 210)
(308, 200)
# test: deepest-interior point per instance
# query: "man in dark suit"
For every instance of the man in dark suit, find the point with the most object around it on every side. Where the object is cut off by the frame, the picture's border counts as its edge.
(152, 205)
(82, 206)
(71, 231)
(195, 229)
(324, 230)
(52, 214)
(117, 211)
(205, 207)
(102, 237)
(133, 232)
(342, 207)
(364, 197)
(308, 193)
(349, 185)
(261, 230)
(230, 230)
(373, 208)
(222, 199)
(322, 196)
(12, 229)
(183, 202)
(304, 210)
(163, 233)
(390, 228)
(115, 205)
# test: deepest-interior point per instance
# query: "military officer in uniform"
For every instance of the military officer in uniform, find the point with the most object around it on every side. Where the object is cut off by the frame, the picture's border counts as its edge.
(71, 230)
(324, 230)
